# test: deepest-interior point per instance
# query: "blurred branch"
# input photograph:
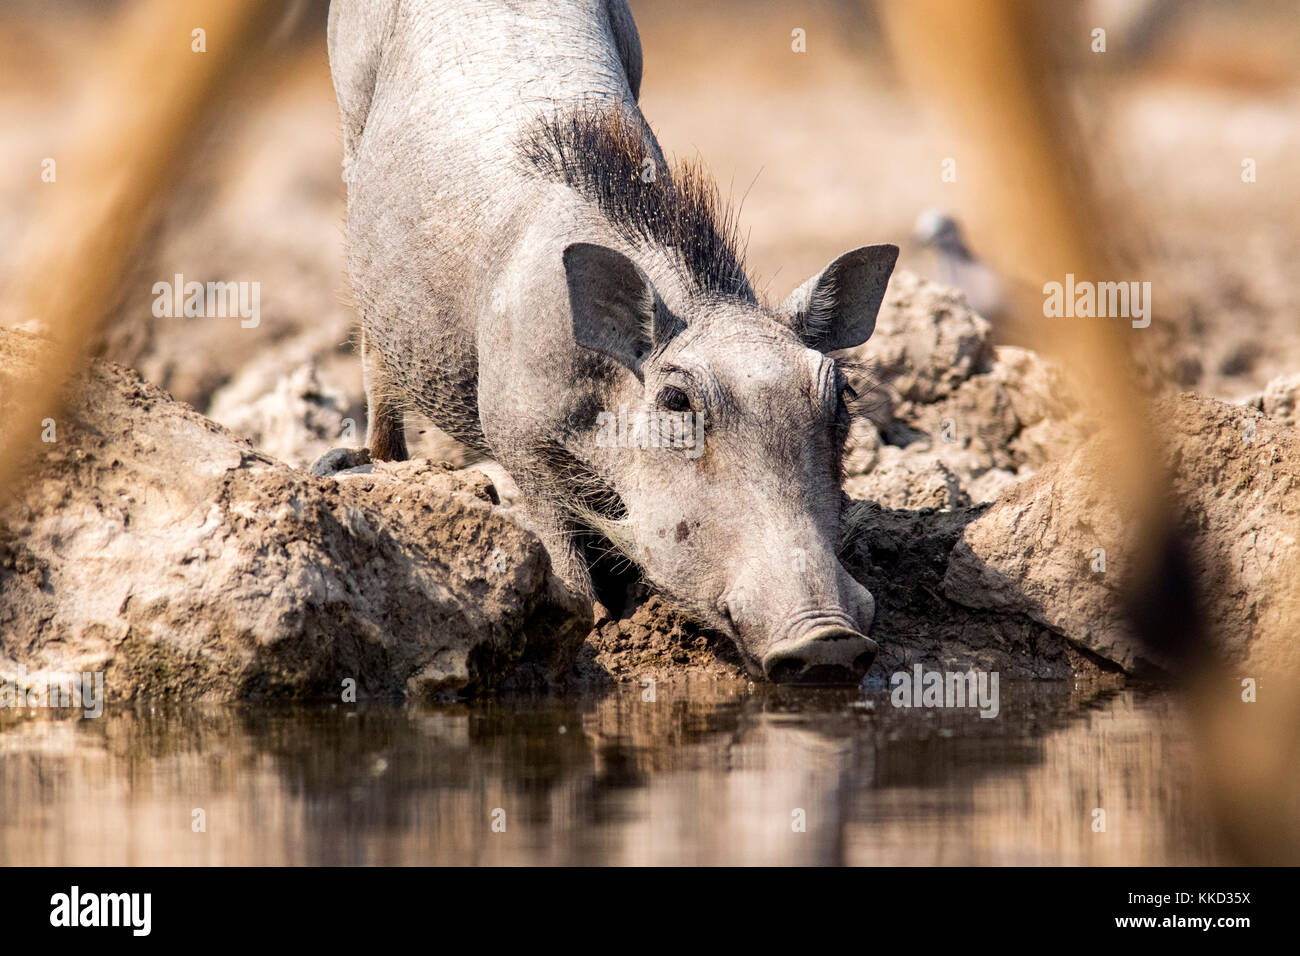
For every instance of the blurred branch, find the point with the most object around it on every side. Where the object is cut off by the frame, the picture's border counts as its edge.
(145, 102)
(985, 66)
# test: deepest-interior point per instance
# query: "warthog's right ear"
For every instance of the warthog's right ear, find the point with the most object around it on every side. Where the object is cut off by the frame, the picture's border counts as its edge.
(615, 308)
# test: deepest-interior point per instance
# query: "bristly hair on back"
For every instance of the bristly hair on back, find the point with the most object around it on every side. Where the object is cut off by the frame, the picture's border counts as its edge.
(601, 154)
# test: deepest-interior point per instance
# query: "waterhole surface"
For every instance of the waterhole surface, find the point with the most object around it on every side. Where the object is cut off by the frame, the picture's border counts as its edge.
(704, 773)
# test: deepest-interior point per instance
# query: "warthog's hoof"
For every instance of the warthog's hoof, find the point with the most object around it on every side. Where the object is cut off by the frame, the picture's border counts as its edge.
(343, 461)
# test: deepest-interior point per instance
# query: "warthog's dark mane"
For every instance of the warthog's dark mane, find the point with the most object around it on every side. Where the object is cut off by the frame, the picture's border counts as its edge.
(601, 154)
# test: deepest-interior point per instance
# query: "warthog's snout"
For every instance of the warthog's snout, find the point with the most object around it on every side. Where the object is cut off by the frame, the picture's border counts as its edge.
(824, 655)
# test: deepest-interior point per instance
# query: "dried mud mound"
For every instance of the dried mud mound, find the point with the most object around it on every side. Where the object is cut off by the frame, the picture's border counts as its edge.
(147, 542)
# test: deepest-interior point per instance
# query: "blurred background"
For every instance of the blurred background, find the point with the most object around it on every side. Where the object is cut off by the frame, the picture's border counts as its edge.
(825, 150)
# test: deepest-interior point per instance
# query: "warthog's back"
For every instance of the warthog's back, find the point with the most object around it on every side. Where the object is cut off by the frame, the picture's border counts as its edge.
(436, 98)
(437, 95)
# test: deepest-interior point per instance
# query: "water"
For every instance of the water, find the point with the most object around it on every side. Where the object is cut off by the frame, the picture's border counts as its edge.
(706, 773)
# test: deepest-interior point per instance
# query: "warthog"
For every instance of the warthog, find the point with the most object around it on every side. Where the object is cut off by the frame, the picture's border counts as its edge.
(537, 280)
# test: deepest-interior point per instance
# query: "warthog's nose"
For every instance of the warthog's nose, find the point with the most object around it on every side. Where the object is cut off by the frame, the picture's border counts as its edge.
(824, 655)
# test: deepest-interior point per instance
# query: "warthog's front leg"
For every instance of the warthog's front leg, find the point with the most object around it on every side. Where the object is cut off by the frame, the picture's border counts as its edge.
(385, 429)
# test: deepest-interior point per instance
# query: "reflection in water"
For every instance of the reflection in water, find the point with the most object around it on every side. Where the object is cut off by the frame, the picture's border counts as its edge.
(707, 773)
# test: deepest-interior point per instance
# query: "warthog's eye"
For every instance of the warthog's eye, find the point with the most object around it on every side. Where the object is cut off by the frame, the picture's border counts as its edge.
(673, 399)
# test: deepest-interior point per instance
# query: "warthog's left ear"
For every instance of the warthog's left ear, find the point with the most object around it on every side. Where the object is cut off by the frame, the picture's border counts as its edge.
(836, 309)
(616, 310)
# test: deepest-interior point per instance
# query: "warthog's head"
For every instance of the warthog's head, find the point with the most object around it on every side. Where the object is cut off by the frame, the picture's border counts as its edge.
(725, 452)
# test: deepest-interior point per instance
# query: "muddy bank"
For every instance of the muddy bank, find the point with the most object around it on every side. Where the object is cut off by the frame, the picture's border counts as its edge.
(151, 543)
(147, 542)
(1053, 551)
